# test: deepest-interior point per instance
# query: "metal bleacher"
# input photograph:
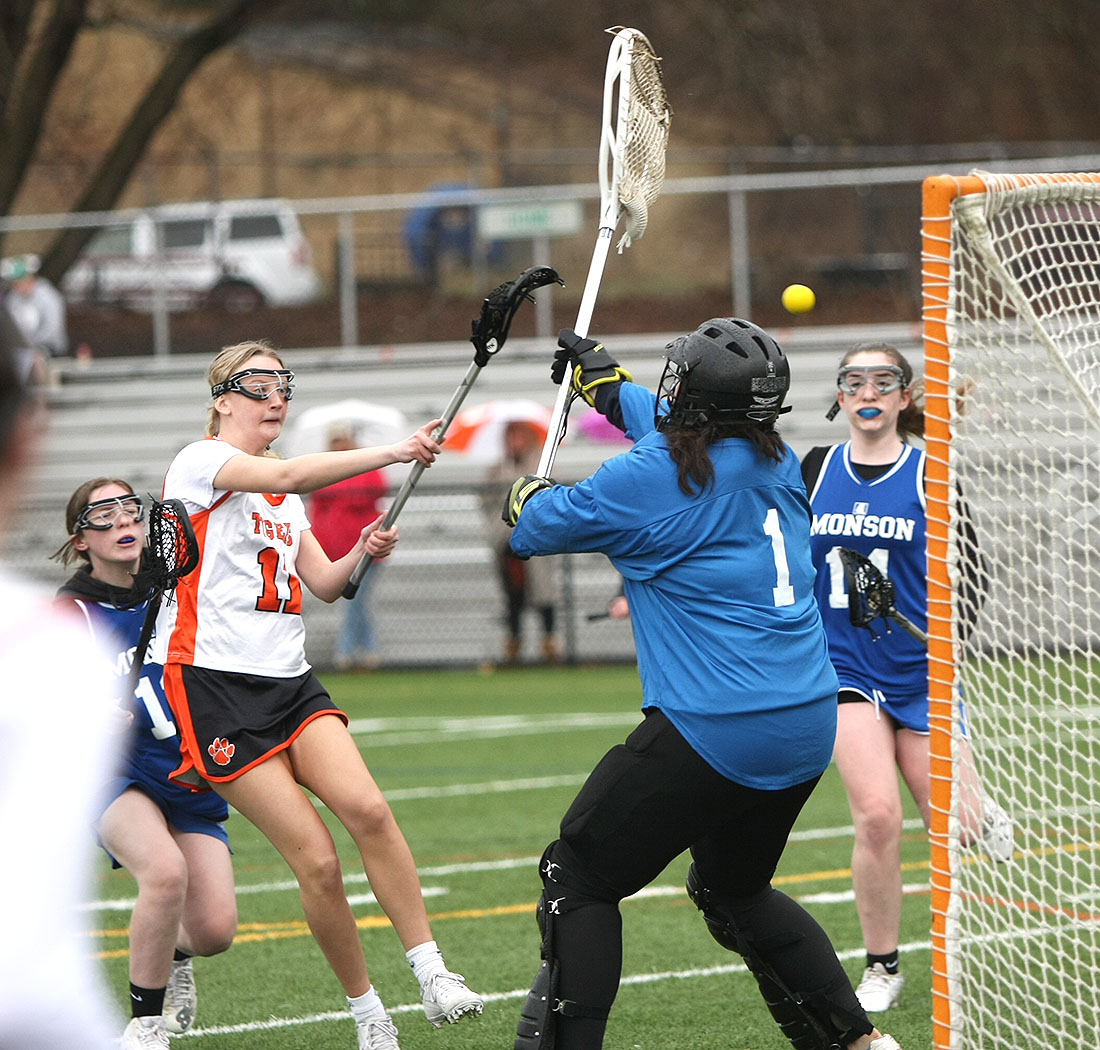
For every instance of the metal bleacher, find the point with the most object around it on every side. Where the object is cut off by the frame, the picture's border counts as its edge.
(436, 600)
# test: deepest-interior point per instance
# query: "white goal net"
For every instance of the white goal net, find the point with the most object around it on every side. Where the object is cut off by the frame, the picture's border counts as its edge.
(1011, 291)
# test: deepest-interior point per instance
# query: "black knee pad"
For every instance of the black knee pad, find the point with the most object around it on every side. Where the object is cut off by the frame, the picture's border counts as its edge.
(816, 1009)
(543, 1006)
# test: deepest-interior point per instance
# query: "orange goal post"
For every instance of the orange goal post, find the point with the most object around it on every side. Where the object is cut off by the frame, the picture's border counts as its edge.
(1011, 328)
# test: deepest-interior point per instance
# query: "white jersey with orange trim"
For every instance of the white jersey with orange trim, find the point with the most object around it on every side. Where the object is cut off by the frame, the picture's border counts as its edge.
(241, 609)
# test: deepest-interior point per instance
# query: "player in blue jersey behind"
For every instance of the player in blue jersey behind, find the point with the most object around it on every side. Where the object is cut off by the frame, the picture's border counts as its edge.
(706, 518)
(172, 840)
(867, 494)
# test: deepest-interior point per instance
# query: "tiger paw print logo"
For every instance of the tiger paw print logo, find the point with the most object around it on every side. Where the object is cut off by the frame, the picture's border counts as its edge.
(221, 751)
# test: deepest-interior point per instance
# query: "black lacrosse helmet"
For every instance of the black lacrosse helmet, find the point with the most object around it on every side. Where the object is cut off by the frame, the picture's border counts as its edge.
(726, 371)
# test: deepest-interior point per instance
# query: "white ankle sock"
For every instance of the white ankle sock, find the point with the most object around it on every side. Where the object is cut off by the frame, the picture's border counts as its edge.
(425, 960)
(367, 1006)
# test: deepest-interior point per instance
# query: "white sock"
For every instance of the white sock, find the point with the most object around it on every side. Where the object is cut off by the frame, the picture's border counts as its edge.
(425, 960)
(367, 1006)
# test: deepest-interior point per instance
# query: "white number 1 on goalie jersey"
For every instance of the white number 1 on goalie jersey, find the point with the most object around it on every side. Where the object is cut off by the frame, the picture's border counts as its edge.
(782, 592)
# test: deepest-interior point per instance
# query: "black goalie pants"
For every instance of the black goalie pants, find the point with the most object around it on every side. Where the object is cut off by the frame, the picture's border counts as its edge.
(647, 801)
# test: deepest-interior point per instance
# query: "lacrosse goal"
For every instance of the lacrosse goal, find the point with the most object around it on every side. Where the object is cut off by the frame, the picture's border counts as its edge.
(1011, 316)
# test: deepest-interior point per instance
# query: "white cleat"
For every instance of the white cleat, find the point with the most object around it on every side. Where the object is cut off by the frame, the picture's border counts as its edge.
(181, 1000)
(879, 991)
(446, 998)
(144, 1033)
(379, 1033)
(998, 833)
(884, 1042)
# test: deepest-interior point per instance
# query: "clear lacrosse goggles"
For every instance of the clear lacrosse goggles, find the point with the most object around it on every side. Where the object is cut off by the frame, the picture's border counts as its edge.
(257, 383)
(103, 513)
(884, 378)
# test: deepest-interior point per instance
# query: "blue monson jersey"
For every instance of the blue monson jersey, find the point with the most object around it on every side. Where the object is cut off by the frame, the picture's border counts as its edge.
(883, 519)
(153, 744)
(720, 585)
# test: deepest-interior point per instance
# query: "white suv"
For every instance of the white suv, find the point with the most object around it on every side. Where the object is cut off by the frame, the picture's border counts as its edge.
(234, 255)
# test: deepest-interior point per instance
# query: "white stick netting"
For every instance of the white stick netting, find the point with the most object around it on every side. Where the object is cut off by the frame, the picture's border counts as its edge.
(1024, 343)
(643, 140)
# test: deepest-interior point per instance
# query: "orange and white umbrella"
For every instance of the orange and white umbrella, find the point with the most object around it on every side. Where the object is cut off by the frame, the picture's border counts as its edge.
(478, 431)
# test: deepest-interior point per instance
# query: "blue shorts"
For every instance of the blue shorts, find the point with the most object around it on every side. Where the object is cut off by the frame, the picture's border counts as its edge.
(183, 809)
(907, 710)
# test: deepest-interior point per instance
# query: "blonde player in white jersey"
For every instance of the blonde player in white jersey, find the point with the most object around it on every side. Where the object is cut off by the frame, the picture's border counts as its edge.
(256, 724)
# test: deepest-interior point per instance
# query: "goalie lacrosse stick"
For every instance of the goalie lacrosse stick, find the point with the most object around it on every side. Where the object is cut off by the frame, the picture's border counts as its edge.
(631, 172)
(871, 595)
(171, 553)
(489, 333)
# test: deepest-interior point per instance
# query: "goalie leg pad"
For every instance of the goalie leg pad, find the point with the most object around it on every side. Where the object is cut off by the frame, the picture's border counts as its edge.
(800, 978)
(546, 1004)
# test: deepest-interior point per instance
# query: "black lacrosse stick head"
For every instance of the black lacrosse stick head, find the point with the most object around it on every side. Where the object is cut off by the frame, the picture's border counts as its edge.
(500, 306)
(870, 593)
(172, 550)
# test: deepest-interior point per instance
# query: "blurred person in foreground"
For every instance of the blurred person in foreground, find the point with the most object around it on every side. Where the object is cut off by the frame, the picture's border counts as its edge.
(170, 839)
(58, 739)
(706, 519)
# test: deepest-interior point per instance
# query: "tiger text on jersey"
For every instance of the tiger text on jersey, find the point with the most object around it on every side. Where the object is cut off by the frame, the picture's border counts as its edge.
(877, 526)
(273, 530)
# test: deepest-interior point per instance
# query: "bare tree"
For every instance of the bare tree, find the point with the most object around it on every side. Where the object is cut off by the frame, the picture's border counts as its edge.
(36, 42)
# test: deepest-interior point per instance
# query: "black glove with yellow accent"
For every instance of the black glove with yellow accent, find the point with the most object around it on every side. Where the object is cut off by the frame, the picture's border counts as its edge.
(588, 362)
(522, 490)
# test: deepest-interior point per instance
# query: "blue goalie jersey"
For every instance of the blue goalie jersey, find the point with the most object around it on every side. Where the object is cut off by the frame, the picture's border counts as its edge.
(720, 584)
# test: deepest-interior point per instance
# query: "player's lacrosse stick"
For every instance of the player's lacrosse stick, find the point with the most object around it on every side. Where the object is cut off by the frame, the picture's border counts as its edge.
(871, 595)
(631, 172)
(489, 333)
(171, 553)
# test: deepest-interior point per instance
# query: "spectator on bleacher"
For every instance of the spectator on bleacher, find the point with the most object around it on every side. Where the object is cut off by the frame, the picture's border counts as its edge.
(57, 739)
(256, 724)
(337, 514)
(35, 305)
(523, 584)
(170, 839)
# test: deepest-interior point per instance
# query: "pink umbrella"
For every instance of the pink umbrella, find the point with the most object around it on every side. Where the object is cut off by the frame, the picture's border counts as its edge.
(596, 428)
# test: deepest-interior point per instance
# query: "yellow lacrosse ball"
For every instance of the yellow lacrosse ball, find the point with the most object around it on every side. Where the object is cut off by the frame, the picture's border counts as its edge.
(799, 298)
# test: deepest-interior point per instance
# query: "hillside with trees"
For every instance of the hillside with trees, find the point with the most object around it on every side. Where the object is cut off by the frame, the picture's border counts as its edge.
(112, 103)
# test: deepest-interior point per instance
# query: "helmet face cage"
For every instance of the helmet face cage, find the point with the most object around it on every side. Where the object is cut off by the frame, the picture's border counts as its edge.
(257, 383)
(102, 514)
(727, 371)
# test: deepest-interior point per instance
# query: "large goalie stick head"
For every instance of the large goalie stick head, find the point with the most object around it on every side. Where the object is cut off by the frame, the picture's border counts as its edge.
(634, 140)
(172, 550)
(500, 306)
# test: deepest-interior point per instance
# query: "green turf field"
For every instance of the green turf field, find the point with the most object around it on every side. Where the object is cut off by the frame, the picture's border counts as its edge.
(479, 769)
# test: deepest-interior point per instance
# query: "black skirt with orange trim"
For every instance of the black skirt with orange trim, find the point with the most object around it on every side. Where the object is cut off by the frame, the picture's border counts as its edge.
(231, 722)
